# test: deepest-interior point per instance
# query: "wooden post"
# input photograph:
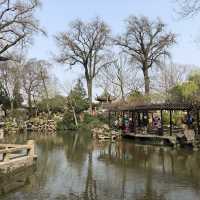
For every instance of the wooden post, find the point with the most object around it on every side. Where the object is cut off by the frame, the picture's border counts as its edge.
(170, 112)
(31, 149)
(139, 122)
(6, 157)
(132, 122)
(198, 128)
(188, 117)
(161, 120)
(148, 118)
(135, 122)
(132, 117)
(148, 125)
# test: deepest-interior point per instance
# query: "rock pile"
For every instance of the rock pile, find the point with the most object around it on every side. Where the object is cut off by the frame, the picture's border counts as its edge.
(44, 126)
(104, 133)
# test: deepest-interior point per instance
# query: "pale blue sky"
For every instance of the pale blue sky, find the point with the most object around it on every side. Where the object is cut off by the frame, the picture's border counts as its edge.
(55, 15)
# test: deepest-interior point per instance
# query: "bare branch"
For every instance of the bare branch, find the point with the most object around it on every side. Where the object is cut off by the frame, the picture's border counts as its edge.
(84, 45)
(188, 8)
(17, 22)
(146, 42)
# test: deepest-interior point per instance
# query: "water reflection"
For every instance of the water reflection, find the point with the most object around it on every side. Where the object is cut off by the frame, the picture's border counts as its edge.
(72, 166)
(9, 183)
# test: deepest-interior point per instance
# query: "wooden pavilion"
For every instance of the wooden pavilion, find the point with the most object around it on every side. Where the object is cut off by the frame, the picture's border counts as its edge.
(137, 113)
(105, 99)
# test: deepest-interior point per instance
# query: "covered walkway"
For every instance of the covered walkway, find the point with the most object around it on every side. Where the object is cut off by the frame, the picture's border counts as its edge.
(149, 118)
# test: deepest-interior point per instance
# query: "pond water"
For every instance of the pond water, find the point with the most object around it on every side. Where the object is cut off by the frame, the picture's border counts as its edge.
(72, 166)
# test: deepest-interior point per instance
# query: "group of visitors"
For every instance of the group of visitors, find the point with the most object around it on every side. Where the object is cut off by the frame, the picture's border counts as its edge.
(127, 124)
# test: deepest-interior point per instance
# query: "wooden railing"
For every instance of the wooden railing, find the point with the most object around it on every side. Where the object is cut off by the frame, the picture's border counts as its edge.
(13, 156)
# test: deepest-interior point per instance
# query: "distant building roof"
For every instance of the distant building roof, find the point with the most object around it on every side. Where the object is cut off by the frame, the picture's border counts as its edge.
(105, 98)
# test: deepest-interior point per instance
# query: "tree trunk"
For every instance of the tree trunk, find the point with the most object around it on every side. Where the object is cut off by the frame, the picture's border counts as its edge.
(75, 118)
(36, 107)
(12, 107)
(122, 93)
(146, 81)
(47, 95)
(29, 104)
(89, 86)
(5, 112)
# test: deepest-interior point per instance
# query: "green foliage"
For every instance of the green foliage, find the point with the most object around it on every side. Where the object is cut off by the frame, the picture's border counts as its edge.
(187, 92)
(56, 104)
(91, 122)
(184, 93)
(175, 94)
(177, 118)
(194, 76)
(18, 99)
(77, 103)
(17, 96)
(20, 115)
(4, 98)
(88, 122)
(77, 99)
(137, 97)
(67, 123)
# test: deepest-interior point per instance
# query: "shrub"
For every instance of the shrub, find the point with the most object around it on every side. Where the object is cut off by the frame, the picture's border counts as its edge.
(67, 123)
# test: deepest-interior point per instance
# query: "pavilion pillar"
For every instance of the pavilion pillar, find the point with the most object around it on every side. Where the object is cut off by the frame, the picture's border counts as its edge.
(161, 120)
(147, 120)
(132, 117)
(188, 116)
(198, 127)
(170, 121)
(123, 119)
(139, 121)
(134, 122)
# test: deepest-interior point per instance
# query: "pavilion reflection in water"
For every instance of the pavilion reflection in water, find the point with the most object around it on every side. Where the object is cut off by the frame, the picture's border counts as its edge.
(153, 166)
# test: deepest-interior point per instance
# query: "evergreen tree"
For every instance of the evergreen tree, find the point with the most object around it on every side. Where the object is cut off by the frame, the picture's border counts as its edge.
(17, 96)
(186, 92)
(77, 102)
(4, 98)
(77, 98)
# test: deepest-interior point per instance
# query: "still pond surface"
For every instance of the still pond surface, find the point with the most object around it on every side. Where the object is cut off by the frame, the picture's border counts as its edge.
(72, 166)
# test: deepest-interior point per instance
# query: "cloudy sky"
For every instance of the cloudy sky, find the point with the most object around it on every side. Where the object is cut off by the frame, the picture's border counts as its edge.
(55, 16)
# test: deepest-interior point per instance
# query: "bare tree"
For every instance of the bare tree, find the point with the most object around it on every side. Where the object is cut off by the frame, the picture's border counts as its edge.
(170, 75)
(33, 81)
(146, 42)
(10, 76)
(43, 71)
(188, 8)
(17, 23)
(119, 78)
(84, 45)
